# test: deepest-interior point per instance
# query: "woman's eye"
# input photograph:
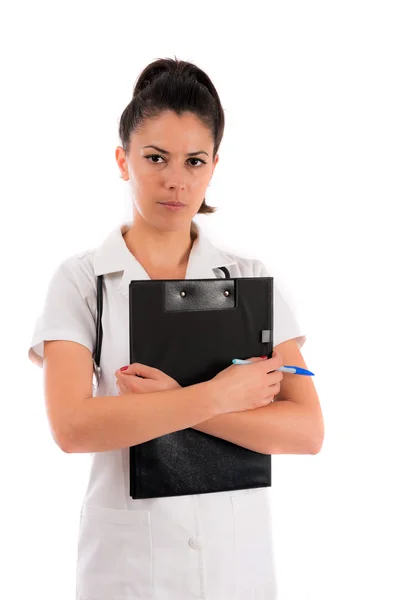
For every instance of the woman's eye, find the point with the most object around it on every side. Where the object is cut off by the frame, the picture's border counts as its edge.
(150, 156)
(153, 156)
(199, 159)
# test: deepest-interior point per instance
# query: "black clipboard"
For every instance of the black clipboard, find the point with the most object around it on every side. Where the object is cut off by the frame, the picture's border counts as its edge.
(191, 329)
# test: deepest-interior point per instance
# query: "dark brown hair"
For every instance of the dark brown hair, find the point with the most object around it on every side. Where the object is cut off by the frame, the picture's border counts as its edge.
(172, 84)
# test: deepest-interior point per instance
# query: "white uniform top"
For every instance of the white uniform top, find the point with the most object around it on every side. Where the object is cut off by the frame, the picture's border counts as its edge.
(216, 546)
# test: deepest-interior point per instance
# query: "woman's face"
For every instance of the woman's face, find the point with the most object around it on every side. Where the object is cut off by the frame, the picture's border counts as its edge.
(168, 174)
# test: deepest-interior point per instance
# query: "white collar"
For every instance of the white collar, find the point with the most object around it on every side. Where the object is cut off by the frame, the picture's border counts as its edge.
(113, 256)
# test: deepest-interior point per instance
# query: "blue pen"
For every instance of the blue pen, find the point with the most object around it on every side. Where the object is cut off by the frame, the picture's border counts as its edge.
(285, 369)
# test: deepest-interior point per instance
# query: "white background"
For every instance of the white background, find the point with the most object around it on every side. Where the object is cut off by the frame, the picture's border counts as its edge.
(308, 182)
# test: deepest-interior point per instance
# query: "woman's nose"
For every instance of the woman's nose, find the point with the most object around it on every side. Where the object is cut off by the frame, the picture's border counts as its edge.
(176, 177)
(176, 182)
(176, 186)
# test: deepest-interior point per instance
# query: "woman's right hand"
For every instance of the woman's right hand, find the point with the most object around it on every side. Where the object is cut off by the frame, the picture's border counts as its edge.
(245, 387)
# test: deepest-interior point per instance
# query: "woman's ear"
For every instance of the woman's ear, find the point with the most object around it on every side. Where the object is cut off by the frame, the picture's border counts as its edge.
(120, 157)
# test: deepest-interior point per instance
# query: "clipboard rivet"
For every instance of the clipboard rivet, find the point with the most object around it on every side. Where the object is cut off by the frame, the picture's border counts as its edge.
(226, 292)
(183, 294)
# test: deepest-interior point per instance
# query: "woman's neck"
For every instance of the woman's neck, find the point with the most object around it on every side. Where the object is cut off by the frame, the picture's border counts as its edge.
(167, 251)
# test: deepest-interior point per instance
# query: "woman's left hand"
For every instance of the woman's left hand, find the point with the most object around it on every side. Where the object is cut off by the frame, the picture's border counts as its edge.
(141, 379)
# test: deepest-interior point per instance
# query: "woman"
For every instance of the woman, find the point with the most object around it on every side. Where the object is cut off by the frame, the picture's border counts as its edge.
(213, 546)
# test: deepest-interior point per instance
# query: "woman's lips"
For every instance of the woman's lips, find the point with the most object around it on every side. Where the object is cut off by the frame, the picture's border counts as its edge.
(172, 206)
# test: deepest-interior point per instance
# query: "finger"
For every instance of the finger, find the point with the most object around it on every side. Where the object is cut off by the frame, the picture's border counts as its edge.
(255, 358)
(275, 355)
(267, 400)
(119, 387)
(141, 370)
(125, 382)
(274, 388)
(275, 361)
(278, 356)
(136, 384)
(123, 391)
(120, 374)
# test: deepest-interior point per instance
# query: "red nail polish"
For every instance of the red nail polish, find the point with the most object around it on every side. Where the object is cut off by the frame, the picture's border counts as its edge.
(123, 368)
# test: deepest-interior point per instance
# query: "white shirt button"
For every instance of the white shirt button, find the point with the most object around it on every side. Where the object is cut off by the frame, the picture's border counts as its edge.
(196, 542)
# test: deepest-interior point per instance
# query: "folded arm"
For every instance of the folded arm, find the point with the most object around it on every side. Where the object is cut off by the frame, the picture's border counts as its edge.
(292, 424)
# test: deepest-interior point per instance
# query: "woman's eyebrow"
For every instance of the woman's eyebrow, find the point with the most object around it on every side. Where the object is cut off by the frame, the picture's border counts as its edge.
(166, 151)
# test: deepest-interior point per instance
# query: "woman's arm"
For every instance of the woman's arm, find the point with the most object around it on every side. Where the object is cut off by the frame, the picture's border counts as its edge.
(111, 422)
(83, 423)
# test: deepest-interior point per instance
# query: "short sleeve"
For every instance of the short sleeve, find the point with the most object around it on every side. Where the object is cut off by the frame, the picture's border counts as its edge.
(66, 314)
(286, 323)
